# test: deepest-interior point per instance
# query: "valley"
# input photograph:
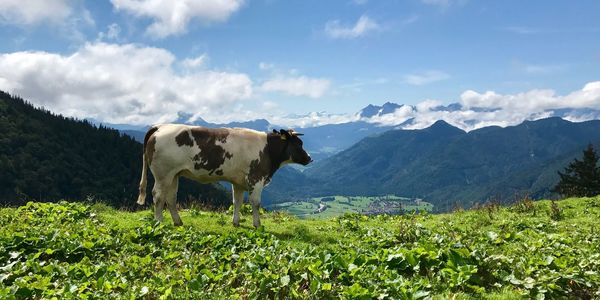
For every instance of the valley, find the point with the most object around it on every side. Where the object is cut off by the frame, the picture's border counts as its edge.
(335, 206)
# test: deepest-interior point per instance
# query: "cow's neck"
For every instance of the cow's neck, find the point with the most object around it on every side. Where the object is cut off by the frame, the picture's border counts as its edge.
(276, 149)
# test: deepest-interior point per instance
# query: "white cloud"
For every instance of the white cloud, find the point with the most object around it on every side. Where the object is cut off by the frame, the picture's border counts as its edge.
(266, 66)
(364, 25)
(312, 119)
(425, 77)
(29, 12)
(298, 86)
(490, 108)
(119, 84)
(541, 69)
(196, 62)
(172, 17)
(113, 32)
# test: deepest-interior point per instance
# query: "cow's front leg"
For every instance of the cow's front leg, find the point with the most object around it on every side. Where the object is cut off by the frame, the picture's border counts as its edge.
(238, 199)
(255, 200)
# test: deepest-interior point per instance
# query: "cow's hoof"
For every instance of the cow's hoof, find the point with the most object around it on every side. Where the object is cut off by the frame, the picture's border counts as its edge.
(178, 223)
(236, 224)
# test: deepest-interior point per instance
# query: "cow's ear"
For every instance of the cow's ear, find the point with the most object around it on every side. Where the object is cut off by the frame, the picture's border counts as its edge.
(284, 134)
(275, 131)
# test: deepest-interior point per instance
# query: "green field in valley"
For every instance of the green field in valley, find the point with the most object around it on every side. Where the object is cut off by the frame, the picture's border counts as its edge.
(77, 251)
(334, 206)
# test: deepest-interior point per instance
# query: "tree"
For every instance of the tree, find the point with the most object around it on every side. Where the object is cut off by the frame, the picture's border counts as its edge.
(582, 177)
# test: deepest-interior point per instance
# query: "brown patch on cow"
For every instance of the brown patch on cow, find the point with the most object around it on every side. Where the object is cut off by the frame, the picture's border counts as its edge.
(149, 142)
(183, 138)
(260, 169)
(150, 132)
(269, 160)
(211, 155)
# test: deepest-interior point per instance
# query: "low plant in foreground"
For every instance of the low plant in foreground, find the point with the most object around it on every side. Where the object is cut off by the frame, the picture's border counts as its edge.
(69, 250)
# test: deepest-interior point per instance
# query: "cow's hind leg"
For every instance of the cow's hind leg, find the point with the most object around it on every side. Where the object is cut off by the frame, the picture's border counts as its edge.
(255, 200)
(238, 199)
(172, 201)
(158, 196)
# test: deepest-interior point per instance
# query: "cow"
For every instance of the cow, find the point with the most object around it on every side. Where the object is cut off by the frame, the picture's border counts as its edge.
(244, 157)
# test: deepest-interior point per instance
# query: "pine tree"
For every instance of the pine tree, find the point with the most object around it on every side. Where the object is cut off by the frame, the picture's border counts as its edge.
(582, 177)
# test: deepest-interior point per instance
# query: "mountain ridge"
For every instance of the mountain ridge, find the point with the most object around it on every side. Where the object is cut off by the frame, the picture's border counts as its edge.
(444, 165)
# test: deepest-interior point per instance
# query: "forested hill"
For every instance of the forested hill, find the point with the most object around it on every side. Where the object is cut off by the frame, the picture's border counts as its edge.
(445, 165)
(47, 157)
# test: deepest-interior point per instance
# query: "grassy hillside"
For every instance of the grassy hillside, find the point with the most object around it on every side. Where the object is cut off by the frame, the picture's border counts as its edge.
(71, 250)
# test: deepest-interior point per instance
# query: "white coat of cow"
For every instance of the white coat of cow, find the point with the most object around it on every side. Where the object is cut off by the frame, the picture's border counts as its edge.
(246, 158)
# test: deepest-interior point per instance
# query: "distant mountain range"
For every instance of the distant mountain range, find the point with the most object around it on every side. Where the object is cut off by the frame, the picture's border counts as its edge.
(442, 163)
(445, 165)
(326, 140)
(50, 157)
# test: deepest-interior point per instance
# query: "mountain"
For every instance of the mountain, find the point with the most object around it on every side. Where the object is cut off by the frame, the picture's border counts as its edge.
(373, 110)
(326, 140)
(446, 166)
(47, 157)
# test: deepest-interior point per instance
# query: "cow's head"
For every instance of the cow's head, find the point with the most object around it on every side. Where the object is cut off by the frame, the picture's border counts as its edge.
(293, 147)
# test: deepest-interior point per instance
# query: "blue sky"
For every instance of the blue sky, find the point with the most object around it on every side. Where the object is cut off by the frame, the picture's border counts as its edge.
(237, 60)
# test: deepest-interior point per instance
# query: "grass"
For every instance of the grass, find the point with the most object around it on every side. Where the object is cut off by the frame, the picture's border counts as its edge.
(533, 249)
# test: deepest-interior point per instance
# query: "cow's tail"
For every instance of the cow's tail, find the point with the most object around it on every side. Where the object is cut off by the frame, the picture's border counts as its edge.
(145, 164)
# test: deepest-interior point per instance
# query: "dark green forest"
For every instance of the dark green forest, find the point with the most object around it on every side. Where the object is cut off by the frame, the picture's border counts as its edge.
(47, 157)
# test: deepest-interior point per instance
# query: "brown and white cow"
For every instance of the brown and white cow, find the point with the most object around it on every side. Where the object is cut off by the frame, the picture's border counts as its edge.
(246, 158)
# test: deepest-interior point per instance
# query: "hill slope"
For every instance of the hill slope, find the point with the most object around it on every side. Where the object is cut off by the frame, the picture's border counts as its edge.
(529, 250)
(445, 165)
(47, 157)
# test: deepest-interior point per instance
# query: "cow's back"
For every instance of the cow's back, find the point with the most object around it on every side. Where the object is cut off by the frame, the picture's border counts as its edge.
(205, 154)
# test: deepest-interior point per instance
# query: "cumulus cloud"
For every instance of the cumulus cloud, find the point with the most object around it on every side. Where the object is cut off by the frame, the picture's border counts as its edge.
(364, 25)
(425, 77)
(113, 32)
(196, 62)
(312, 119)
(297, 86)
(173, 17)
(481, 109)
(29, 12)
(119, 84)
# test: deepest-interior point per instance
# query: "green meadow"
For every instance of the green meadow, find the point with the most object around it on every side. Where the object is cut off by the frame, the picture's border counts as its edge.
(76, 251)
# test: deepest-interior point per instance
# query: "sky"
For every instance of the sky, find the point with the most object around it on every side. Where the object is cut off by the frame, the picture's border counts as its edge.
(299, 63)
